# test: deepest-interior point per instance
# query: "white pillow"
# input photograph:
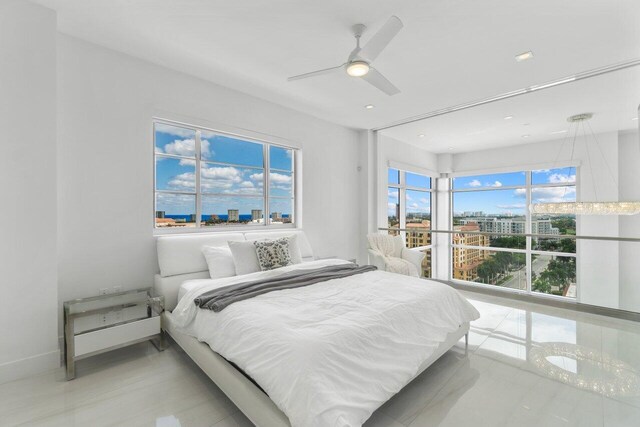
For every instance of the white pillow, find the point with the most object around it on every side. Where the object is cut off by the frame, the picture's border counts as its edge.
(245, 257)
(220, 261)
(246, 260)
(294, 249)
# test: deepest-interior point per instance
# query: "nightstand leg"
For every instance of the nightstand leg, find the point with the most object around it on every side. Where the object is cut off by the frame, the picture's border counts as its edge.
(160, 342)
(69, 348)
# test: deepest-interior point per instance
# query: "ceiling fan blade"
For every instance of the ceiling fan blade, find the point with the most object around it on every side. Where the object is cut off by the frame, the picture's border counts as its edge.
(381, 39)
(316, 73)
(376, 79)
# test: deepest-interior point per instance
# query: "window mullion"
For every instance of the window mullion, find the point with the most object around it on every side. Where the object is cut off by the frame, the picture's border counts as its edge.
(267, 178)
(527, 213)
(198, 188)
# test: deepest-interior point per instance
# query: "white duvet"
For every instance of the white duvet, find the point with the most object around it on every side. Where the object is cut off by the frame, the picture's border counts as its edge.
(331, 353)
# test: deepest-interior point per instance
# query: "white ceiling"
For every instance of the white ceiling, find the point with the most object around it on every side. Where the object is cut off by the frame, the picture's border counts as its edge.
(449, 52)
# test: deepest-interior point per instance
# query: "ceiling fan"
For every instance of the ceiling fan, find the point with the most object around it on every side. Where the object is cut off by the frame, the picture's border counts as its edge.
(359, 61)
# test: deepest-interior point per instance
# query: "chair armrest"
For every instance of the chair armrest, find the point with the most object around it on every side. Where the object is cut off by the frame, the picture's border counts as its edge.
(414, 257)
(376, 258)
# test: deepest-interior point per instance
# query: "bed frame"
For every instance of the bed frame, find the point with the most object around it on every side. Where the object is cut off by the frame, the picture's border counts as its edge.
(254, 403)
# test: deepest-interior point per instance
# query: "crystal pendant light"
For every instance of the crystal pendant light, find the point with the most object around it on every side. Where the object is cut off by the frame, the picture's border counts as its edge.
(586, 208)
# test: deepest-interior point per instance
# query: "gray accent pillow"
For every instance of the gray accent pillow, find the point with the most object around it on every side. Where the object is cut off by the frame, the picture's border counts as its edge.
(273, 253)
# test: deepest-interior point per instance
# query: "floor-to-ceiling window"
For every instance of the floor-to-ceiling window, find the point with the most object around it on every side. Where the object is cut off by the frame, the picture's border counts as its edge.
(499, 204)
(409, 207)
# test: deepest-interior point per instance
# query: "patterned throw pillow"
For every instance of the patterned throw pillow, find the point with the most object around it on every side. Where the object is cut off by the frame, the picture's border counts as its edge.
(273, 253)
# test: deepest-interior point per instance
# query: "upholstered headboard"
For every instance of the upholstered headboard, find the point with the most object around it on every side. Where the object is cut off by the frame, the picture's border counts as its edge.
(180, 257)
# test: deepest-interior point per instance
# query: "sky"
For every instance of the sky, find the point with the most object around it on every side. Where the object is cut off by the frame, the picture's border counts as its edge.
(236, 186)
(501, 193)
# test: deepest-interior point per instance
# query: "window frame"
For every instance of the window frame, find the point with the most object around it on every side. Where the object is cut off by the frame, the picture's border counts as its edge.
(198, 193)
(402, 188)
(528, 251)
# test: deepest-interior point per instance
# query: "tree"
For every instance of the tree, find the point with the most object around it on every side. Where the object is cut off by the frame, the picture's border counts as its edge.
(542, 285)
(487, 271)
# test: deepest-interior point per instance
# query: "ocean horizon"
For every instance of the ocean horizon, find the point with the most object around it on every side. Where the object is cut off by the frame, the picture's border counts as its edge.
(224, 217)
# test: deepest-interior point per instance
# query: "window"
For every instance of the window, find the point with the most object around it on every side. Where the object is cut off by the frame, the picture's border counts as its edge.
(409, 207)
(207, 179)
(499, 204)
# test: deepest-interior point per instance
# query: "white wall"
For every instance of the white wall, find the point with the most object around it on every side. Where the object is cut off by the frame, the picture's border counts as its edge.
(105, 106)
(629, 178)
(28, 333)
(389, 150)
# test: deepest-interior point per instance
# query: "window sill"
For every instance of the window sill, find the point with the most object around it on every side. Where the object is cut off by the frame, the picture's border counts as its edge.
(220, 229)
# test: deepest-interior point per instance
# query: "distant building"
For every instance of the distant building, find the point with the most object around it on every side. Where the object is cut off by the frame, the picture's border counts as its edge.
(192, 218)
(467, 260)
(276, 216)
(512, 225)
(417, 237)
(256, 214)
(159, 214)
(233, 215)
(470, 214)
(214, 217)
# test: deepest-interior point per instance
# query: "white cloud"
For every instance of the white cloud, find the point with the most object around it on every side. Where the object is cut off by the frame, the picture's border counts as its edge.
(496, 184)
(548, 194)
(247, 184)
(225, 173)
(186, 148)
(553, 194)
(475, 183)
(181, 147)
(557, 178)
(183, 181)
(279, 178)
(423, 200)
(175, 131)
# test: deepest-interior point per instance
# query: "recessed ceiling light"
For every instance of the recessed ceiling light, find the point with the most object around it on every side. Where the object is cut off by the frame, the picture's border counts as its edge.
(526, 136)
(558, 131)
(421, 135)
(450, 148)
(524, 56)
(635, 118)
(508, 117)
(369, 106)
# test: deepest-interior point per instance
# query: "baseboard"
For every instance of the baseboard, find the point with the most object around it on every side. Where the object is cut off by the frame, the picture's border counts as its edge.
(29, 366)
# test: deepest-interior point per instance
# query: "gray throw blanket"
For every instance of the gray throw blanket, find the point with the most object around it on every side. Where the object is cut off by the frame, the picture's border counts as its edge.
(220, 298)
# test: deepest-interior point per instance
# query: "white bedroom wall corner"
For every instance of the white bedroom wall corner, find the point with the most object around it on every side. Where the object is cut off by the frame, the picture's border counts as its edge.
(366, 201)
(28, 169)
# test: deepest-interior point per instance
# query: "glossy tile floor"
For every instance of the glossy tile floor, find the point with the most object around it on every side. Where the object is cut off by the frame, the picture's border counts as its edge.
(526, 365)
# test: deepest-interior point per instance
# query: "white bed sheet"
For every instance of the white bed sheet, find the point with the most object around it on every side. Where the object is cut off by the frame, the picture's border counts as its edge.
(331, 353)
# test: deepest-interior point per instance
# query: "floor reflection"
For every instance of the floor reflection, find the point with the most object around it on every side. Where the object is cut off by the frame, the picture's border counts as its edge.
(587, 369)
(560, 348)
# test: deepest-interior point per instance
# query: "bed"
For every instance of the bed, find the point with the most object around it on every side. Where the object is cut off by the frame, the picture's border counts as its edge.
(325, 354)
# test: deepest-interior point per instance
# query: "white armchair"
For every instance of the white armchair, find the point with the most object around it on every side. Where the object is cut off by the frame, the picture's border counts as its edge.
(389, 253)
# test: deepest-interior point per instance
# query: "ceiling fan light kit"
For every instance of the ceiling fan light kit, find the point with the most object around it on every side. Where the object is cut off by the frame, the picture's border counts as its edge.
(359, 62)
(357, 68)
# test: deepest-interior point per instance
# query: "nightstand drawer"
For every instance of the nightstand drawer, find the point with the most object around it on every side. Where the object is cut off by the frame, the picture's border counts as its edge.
(110, 337)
